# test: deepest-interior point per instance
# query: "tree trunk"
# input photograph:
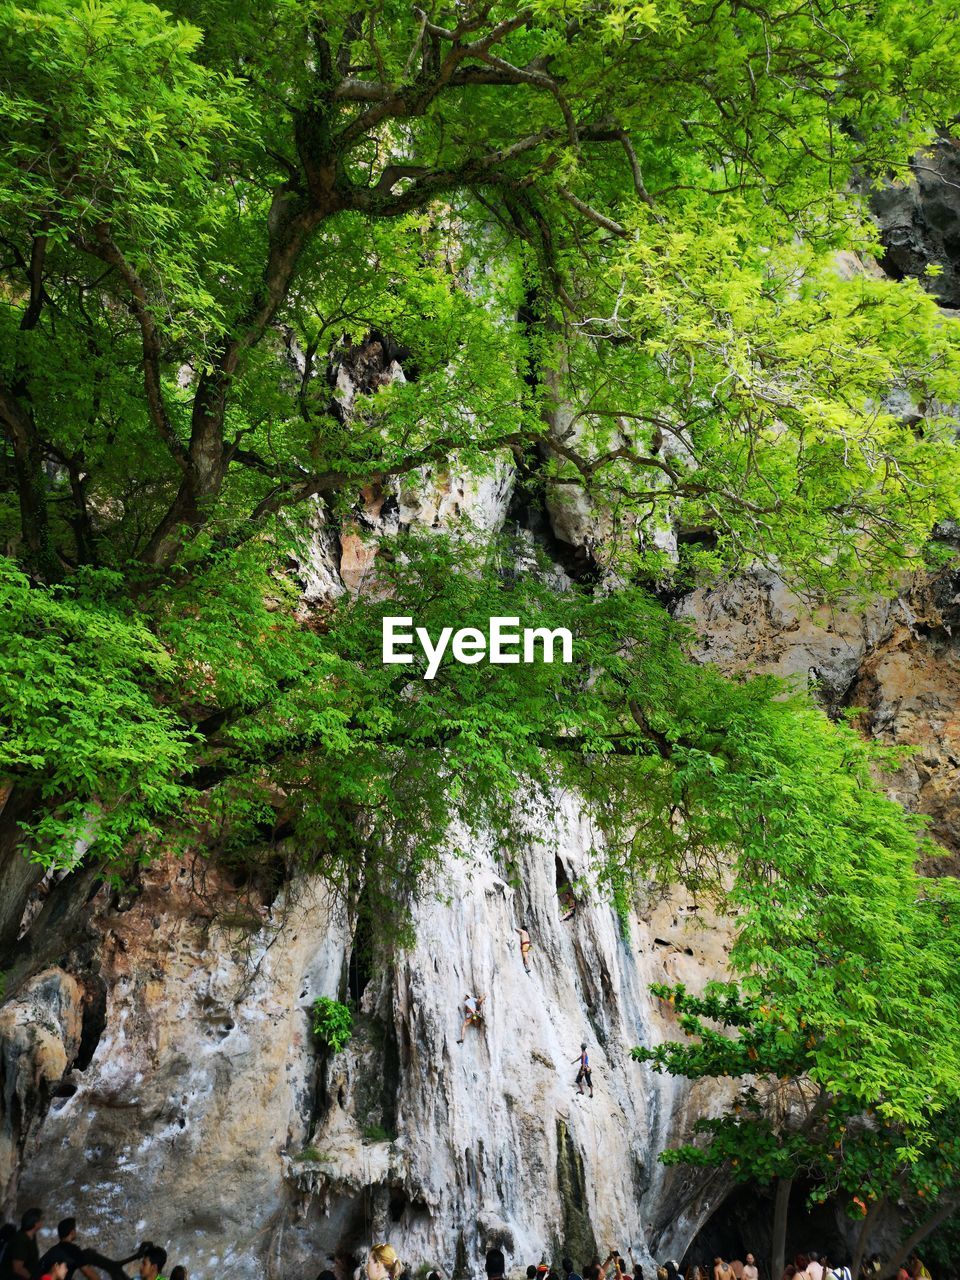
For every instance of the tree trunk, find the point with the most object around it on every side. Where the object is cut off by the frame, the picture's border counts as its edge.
(946, 1210)
(18, 874)
(781, 1205)
(863, 1236)
(31, 487)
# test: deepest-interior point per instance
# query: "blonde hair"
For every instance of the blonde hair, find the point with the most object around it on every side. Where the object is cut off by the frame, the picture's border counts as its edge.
(386, 1255)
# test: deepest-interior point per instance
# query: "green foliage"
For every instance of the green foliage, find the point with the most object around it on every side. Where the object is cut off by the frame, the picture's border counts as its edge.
(602, 240)
(83, 690)
(648, 228)
(311, 1155)
(855, 1091)
(332, 1023)
(376, 1133)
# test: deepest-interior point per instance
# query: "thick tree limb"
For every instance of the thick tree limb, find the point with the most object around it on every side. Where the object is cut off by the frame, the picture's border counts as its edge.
(104, 247)
(208, 456)
(16, 417)
(38, 253)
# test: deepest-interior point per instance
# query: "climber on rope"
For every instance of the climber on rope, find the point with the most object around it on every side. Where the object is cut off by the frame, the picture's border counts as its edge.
(584, 1074)
(568, 901)
(473, 1013)
(525, 945)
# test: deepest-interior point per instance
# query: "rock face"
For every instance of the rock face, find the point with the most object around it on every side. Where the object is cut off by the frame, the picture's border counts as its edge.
(898, 661)
(208, 1116)
(920, 221)
(202, 1075)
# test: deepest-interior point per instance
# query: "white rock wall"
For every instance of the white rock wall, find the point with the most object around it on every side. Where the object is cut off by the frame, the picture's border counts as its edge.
(190, 1124)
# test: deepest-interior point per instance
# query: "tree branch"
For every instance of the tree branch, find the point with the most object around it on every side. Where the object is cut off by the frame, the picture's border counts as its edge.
(104, 248)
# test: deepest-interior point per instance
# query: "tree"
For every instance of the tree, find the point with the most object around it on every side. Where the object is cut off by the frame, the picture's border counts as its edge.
(599, 239)
(828, 1087)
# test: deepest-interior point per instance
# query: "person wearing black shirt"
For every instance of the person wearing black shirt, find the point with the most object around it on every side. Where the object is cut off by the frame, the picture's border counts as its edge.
(22, 1255)
(66, 1250)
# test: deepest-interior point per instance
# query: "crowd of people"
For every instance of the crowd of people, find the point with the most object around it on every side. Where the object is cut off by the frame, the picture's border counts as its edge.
(814, 1266)
(384, 1264)
(21, 1259)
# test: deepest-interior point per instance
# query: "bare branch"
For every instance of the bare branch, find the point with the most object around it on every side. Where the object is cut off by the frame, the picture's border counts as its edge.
(593, 214)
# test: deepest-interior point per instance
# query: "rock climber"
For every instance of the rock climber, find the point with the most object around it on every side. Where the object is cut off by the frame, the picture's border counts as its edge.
(568, 902)
(525, 946)
(473, 1013)
(584, 1074)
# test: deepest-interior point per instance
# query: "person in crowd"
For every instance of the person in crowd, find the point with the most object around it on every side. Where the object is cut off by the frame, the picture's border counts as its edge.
(801, 1262)
(383, 1263)
(22, 1255)
(814, 1267)
(917, 1269)
(584, 1075)
(56, 1271)
(325, 1274)
(178, 1273)
(67, 1250)
(495, 1264)
(434, 1275)
(789, 1271)
(152, 1261)
(472, 1013)
(903, 1273)
(722, 1270)
(836, 1269)
(750, 1271)
(637, 1268)
(531, 1272)
(568, 1271)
